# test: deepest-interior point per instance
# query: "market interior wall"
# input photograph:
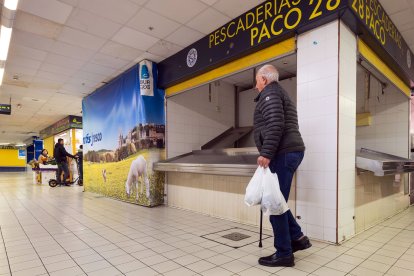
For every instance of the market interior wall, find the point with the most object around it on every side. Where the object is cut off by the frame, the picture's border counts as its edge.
(194, 118)
(377, 198)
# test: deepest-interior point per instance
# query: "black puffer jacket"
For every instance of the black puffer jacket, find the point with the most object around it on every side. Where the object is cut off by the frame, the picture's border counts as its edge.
(276, 128)
(60, 153)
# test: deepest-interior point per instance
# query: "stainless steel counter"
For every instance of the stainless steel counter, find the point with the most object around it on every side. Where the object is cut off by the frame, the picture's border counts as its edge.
(382, 164)
(234, 161)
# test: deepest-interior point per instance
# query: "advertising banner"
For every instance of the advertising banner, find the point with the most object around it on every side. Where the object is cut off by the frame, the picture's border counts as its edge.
(21, 154)
(124, 134)
(146, 78)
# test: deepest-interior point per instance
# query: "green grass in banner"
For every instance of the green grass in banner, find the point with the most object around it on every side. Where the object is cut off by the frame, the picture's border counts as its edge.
(116, 176)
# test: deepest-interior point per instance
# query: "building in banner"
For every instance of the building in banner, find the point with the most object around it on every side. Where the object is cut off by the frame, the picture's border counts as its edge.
(350, 73)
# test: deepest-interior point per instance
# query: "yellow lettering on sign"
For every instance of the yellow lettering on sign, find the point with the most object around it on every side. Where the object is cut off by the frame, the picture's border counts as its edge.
(251, 16)
(284, 3)
(268, 7)
(228, 29)
(223, 34)
(259, 13)
(299, 13)
(210, 40)
(315, 12)
(253, 34)
(264, 33)
(240, 26)
(274, 32)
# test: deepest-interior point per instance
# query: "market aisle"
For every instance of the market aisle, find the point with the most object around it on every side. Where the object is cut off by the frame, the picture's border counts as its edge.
(63, 231)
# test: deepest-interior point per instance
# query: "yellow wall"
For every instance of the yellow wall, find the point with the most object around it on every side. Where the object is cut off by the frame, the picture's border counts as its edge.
(9, 158)
(49, 144)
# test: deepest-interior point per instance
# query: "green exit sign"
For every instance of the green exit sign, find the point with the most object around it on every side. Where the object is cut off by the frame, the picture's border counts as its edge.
(5, 109)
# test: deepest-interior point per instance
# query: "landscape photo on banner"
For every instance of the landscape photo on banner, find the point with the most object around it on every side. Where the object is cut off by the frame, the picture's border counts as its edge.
(124, 134)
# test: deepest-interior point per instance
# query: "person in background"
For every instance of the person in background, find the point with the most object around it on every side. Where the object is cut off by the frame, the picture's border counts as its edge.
(60, 154)
(79, 154)
(43, 157)
(281, 148)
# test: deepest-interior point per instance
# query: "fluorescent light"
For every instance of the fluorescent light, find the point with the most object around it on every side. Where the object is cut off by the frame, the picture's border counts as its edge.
(5, 36)
(4, 144)
(1, 75)
(11, 4)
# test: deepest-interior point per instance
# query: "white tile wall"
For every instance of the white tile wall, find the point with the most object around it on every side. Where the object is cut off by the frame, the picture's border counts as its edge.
(390, 111)
(347, 126)
(192, 120)
(317, 97)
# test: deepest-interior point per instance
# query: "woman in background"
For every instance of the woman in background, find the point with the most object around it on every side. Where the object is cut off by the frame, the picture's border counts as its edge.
(43, 158)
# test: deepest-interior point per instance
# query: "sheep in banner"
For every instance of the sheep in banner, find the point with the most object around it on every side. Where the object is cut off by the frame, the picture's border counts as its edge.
(138, 169)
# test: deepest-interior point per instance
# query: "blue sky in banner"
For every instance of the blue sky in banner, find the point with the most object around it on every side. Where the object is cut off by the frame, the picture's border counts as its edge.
(117, 108)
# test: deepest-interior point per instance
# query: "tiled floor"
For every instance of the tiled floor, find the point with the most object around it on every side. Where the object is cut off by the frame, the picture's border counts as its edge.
(63, 231)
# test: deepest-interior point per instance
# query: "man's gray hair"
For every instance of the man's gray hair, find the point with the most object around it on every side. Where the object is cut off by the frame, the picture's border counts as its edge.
(269, 72)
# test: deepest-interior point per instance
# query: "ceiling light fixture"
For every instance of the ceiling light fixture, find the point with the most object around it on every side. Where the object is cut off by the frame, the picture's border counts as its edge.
(7, 19)
(11, 4)
(5, 36)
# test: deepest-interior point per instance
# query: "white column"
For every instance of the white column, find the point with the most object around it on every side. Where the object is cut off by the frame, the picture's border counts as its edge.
(347, 133)
(325, 118)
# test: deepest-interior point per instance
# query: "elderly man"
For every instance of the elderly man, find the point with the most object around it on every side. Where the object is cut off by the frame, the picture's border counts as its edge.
(281, 148)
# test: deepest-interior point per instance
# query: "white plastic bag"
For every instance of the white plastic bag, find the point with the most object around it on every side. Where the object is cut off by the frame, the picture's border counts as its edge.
(254, 190)
(273, 202)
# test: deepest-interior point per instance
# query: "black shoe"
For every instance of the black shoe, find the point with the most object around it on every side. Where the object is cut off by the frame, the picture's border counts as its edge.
(302, 244)
(274, 261)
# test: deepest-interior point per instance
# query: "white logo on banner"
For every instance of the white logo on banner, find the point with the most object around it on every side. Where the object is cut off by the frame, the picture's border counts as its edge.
(409, 59)
(191, 57)
(146, 79)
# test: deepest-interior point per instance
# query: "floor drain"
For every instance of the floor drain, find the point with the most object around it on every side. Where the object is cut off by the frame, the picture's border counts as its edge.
(235, 236)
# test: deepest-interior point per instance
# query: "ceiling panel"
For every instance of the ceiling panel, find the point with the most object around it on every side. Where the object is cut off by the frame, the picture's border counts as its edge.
(109, 61)
(71, 51)
(63, 61)
(30, 40)
(153, 24)
(118, 50)
(82, 39)
(27, 52)
(119, 11)
(184, 36)
(149, 56)
(164, 48)
(209, 2)
(208, 20)
(52, 76)
(48, 67)
(98, 69)
(178, 10)
(50, 9)
(234, 8)
(26, 62)
(134, 39)
(20, 70)
(37, 25)
(92, 23)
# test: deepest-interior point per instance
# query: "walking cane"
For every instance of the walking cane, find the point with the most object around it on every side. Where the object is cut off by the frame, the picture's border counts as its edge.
(261, 228)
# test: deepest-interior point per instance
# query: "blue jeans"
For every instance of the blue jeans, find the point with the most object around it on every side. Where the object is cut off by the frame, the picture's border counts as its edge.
(285, 227)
